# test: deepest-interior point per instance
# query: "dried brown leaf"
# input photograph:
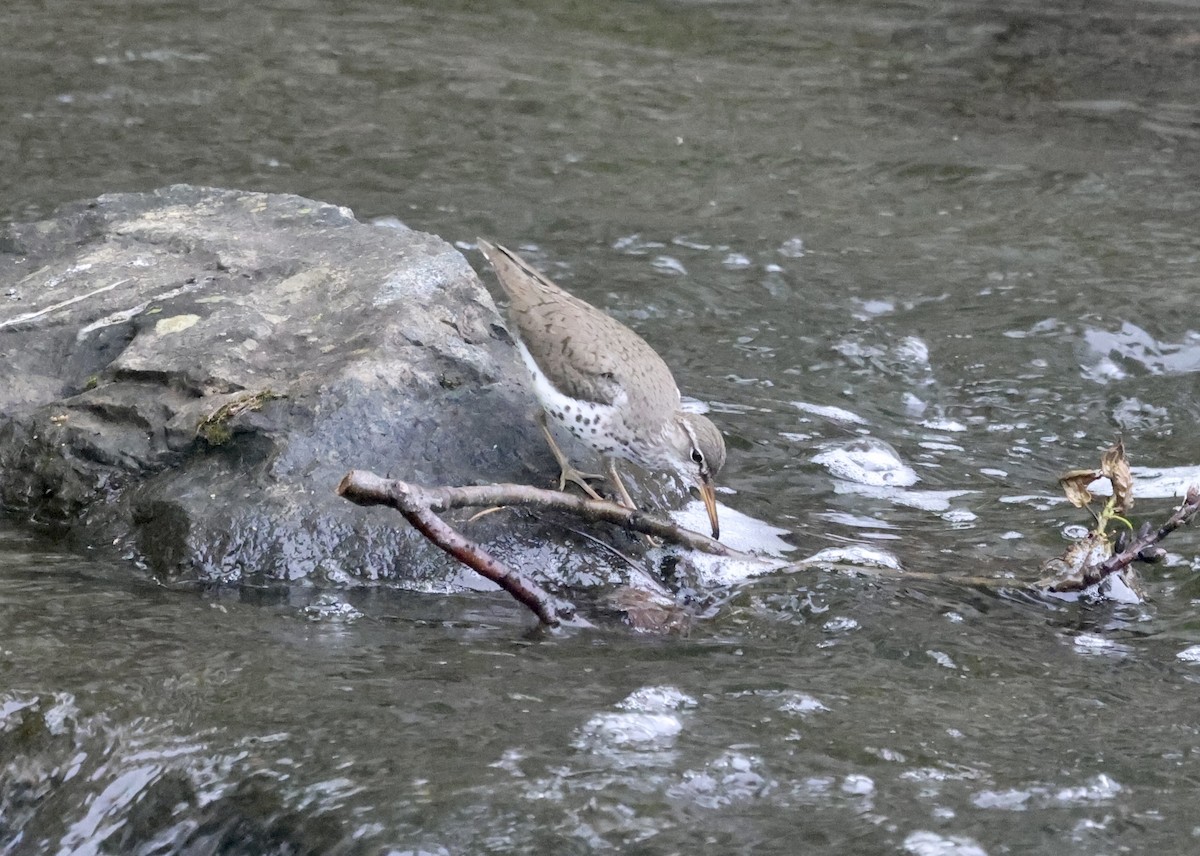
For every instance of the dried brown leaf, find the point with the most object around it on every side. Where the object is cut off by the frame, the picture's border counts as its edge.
(1066, 572)
(1114, 465)
(1075, 486)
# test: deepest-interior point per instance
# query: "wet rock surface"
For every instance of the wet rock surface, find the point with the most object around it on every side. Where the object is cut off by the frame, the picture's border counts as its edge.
(188, 373)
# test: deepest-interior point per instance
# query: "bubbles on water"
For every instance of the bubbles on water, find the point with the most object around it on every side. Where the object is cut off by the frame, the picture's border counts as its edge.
(861, 521)
(914, 405)
(775, 283)
(942, 659)
(886, 753)
(907, 357)
(856, 555)
(1038, 502)
(866, 461)
(1045, 327)
(935, 501)
(690, 243)
(1138, 417)
(926, 843)
(740, 532)
(874, 308)
(330, 607)
(656, 700)
(836, 414)
(939, 446)
(1098, 789)
(841, 624)
(731, 777)
(792, 248)
(635, 245)
(669, 265)
(1132, 346)
(858, 785)
(610, 732)
(1103, 371)
(947, 425)
(736, 261)
(1074, 532)
(1012, 799)
(1190, 654)
(713, 571)
(802, 704)
(960, 518)
(327, 794)
(913, 351)
(647, 722)
(1097, 646)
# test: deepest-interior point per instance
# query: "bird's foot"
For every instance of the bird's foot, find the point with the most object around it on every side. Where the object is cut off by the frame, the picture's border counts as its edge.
(570, 474)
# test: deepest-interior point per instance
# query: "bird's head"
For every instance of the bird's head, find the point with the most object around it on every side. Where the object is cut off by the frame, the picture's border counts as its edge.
(699, 455)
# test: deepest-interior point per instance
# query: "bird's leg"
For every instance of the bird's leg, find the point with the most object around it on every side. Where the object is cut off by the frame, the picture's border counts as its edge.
(615, 478)
(568, 473)
(626, 500)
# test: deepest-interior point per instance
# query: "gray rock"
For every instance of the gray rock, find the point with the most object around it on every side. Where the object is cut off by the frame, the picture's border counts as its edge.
(188, 374)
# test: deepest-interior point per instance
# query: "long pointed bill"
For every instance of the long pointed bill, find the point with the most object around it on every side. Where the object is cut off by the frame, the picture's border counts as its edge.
(710, 505)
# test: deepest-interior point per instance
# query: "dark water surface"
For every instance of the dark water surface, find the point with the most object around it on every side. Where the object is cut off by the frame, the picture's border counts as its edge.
(971, 226)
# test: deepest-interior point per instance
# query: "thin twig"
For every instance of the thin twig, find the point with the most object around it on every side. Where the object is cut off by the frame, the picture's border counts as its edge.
(602, 511)
(365, 488)
(1122, 560)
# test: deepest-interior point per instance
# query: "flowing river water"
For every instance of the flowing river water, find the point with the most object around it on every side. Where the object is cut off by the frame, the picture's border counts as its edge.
(964, 230)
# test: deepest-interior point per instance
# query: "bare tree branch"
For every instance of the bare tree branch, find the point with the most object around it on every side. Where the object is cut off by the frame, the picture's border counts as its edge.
(1122, 560)
(371, 487)
(419, 505)
(363, 488)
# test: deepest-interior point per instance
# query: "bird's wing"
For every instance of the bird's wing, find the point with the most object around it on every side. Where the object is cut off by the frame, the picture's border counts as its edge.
(583, 352)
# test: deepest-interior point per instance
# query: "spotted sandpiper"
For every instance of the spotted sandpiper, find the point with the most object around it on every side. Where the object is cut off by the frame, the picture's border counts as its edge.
(605, 385)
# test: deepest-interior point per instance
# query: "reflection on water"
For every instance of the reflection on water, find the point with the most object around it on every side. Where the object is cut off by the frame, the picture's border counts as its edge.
(960, 237)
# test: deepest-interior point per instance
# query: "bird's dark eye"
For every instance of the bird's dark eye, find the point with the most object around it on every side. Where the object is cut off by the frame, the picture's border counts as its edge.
(697, 456)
